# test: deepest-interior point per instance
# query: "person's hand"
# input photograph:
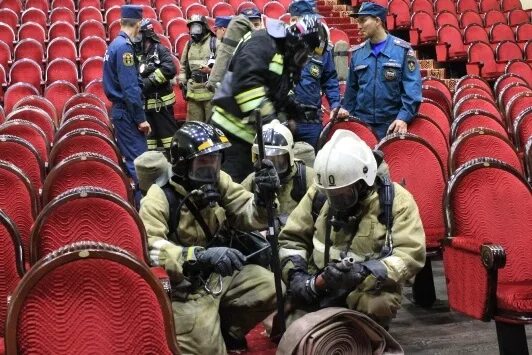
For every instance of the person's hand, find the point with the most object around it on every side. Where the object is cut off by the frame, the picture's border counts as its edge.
(398, 126)
(160, 251)
(342, 113)
(267, 181)
(224, 260)
(300, 288)
(347, 277)
(144, 127)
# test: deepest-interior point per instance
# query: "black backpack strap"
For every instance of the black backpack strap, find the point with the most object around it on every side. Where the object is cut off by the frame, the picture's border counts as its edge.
(386, 195)
(299, 188)
(317, 204)
(173, 202)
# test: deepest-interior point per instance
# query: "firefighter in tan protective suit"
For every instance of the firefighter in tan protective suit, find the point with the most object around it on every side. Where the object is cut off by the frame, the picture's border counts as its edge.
(217, 296)
(368, 228)
(196, 63)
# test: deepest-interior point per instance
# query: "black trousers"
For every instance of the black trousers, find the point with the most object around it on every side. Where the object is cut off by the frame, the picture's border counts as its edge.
(237, 158)
(163, 127)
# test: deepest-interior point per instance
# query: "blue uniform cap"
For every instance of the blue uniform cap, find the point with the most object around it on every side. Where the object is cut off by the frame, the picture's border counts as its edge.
(131, 11)
(251, 13)
(300, 8)
(222, 21)
(371, 9)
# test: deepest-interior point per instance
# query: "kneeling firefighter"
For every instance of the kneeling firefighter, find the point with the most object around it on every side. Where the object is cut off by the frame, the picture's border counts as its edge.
(358, 247)
(157, 70)
(217, 295)
(262, 71)
(295, 176)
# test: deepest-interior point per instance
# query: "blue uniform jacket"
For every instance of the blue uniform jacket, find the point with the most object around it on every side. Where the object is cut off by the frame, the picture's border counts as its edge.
(386, 87)
(121, 80)
(319, 74)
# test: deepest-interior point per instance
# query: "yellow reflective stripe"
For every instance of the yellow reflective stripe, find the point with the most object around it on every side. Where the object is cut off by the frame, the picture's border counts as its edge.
(233, 124)
(162, 101)
(276, 64)
(250, 94)
(167, 140)
(152, 143)
(207, 144)
(200, 96)
(251, 105)
(277, 58)
(159, 76)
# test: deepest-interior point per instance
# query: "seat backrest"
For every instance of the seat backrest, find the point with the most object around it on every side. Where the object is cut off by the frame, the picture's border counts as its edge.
(476, 119)
(522, 68)
(176, 27)
(517, 17)
(83, 140)
(427, 189)
(107, 4)
(507, 51)
(33, 15)
(180, 43)
(510, 91)
(26, 71)
(471, 89)
(30, 132)
(339, 35)
(435, 93)
(36, 116)
(84, 98)
(24, 156)
(95, 87)
(91, 69)
(7, 35)
(89, 3)
(421, 5)
(517, 104)
(59, 222)
(9, 17)
(522, 129)
(487, 5)
(38, 4)
(195, 9)
(92, 28)
(11, 263)
(445, 5)
(84, 121)
(425, 128)
(62, 29)
(82, 289)
(23, 209)
(5, 54)
(500, 32)
(474, 32)
(470, 18)
(222, 9)
(493, 17)
(506, 79)
(148, 11)
(89, 13)
(112, 14)
(431, 109)
(508, 5)
(69, 4)
(358, 127)
(169, 12)
(481, 206)
(61, 48)
(442, 87)
(86, 109)
(29, 48)
(476, 102)
(86, 169)
(39, 102)
(483, 142)
(274, 9)
(446, 18)
(466, 5)
(32, 30)
(424, 22)
(523, 32)
(15, 92)
(59, 92)
(62, 69)
(62, 14)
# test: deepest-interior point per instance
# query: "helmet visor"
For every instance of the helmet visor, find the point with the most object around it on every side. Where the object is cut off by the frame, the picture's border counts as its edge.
(206, 168)
(196, 29)
(279, 157)
(342, 198)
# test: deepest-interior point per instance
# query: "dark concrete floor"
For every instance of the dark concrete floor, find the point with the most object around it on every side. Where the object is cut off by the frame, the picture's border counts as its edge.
(441, 331)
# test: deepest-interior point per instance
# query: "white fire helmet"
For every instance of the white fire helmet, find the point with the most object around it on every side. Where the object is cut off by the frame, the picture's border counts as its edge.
(278, 146)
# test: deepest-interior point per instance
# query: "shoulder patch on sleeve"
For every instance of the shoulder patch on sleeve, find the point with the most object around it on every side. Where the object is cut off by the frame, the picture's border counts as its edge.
(402, 43)
(127, 58)
(358, 46)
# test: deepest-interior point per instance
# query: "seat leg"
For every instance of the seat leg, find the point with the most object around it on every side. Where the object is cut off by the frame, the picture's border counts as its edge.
(511, 338)
(423, 290)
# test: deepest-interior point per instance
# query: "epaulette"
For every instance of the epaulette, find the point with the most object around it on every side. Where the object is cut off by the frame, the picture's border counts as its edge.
(358, 46)
(401, 43)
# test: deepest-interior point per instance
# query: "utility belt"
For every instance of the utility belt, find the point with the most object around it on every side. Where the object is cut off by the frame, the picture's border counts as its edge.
(199, 77)
(156, 102)
(310, 114)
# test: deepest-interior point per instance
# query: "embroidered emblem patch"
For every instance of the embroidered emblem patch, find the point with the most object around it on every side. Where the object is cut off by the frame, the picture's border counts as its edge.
(390, 74)
(127, 58)
(314, 71)
(411, 63)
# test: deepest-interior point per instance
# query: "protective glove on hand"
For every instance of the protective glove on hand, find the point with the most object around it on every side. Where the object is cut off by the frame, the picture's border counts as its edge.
(301, 288)
(347, 277)
(224, 260)
(267, 182)
(162, 250)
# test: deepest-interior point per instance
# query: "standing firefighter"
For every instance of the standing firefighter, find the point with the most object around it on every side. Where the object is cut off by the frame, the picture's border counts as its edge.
(196, 63)
(157, 70)
(357, 248)
(261, 74)
(217, 295)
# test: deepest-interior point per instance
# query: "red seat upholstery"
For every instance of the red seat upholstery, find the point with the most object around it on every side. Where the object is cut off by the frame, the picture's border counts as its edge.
(180, 43)
(510, 91)
(140, 2)
(89, 13)
(39, 102)
(487, 5)
(59, 92)
(87, 169)
(243, 5)
(195, 9)
(518, 17)
(61, 48)
(431, 109)
(523, 34)
(398, 15)
(425, 128)
(466, 5)
(30, 49)
(476, 102)
(33, 15)
(107, 4)
(34, 115)
(91, 46)
(501, 32)
(148, 12)
(96, 297)
(422, 29)
(470, 18)
(96, 87)
(445, 5)
(62, 14)
(493, 17)
(450, 45)
(89, 3)
(62, 29)
(438, 94)
(11, 264)
(273, 9)
(159, 4)
(86, 109)
(112, 14)
(472, 89)
(486, 257)
(7, 35)
(169, 12)
(475, 80)
(165, 42)
(421, 5)
(447, 18)
(83, 140)
(481, 61)
(507, 51)
(24, 156)
(84, 98)
(91, 69)
(5, 54)
(522, 129)
(506, 79)
(84, 121)
(15, 92)
(176, 27)
(113, 30)
(9, 17)
(222, 9)
(26, 71)
(517, 104)
(32, 30)
(91, 28)
(69, 4)
(483, 142)
(358, 127)
(475, 33)
(31, 133)
(521, 68)
(508, 5)
(476, 119)
(62, 69)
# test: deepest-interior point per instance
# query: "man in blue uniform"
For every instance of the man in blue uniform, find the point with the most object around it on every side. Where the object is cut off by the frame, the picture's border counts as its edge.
(318, 76)
(123, 87)
(384, 82)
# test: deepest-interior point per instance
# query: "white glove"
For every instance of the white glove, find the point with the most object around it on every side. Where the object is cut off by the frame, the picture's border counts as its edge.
(156, 249)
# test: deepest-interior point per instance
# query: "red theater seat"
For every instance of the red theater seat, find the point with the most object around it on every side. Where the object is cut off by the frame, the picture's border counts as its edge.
(474, 80)
(438, 115)
(69, 4)
(15, 5)
(471, 89)
(24, 156)
(425, 128)
(59, 92)
(61, 48)
(62, 14)
(86, 99)
(222, 9)
(422, 28)
(168, 13)
(62, 69)
(476, 102)
(86, 109)
(522, 130)
(273, 9)
(521, 68)
(450, 45)
(30, 49)
(493, 17)
(447, 18)
(506, 79)
(91, 69)
(509, 5)
(176, 27)
(195, 9)
(516, 105)
(62, 29)
(26, 71)
(30, 132)
(358, 127)
(32, 30)
(91, 28)
(32, 15)
(518, 17)
(16, 92)
(89, 13)
(112, 14)
(84, 121)
(9, 17)
(470, 18)
(475, 33)
(96, 87)
(34, 115)
(476, 119)
(481, 61)
(38, 102)
(91, 47)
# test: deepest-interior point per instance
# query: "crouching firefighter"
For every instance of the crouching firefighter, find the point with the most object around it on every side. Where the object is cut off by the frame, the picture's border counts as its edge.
(295, 176)
(157, 70)
(357, 247)
(217, 295)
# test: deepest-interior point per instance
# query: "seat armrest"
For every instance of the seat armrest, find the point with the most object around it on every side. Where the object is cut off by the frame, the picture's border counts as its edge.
(162, 276)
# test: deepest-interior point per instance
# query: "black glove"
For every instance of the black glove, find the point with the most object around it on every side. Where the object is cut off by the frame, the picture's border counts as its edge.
(224, 260)
(341, 276)
(148, 69)
(267, 182)
(147, 85)
(301, 289)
